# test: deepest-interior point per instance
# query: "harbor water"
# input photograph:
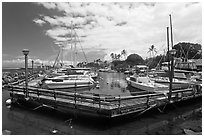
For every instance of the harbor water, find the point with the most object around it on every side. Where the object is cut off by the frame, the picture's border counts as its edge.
(175, 119)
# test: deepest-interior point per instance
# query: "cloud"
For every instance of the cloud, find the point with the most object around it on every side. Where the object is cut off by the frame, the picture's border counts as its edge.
(48, 5)
(51, 20)
(128, 25)
(39, 22)
(5, 55)
(20, 62)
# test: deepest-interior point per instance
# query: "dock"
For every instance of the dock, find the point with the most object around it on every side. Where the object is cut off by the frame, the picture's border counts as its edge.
(100, 105)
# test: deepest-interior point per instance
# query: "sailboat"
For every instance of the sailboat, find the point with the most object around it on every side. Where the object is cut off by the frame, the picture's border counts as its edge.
(69, 81)
(144, 83)
(69, 77)
(179, 79)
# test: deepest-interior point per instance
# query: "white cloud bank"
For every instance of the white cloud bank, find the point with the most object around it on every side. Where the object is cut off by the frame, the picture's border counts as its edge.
(112, 27)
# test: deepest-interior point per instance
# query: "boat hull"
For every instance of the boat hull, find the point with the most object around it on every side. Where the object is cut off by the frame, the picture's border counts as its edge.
(68, 84)
(150, 87)
(175, 84)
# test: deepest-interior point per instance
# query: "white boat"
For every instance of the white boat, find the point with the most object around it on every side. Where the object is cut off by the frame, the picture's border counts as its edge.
(68, 81)
(74, 71)
(144, 83)
(92, 74)
(176, 83)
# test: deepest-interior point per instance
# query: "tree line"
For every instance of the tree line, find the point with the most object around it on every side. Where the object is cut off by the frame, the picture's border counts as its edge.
(184, 50)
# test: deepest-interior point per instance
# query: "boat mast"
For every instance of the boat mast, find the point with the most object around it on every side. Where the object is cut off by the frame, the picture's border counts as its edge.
(71, 44)
(167, 28)
(62, 56)
(75, 49)
(171, 72)
(171, 32)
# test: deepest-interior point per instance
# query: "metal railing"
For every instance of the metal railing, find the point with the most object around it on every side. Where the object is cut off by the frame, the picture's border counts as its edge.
(105, 102)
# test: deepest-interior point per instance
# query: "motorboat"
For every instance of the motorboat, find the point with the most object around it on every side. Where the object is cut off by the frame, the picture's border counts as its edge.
(68, 81)
(92, 74)
(145, 83)
(176, 83)
(74, 71)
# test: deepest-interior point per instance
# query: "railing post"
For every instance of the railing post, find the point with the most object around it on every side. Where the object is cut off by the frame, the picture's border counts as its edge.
(181, 95)
(75, 99)
(99, 103)
(55, 105)
(119, 102)
(75, 85)
(93, 98)
(12, 93)
(54, 95)
(194, 90)
(199, 89)
(38, 93)
(89, 86)
(147, 103)
(27, 92)
(24, 90)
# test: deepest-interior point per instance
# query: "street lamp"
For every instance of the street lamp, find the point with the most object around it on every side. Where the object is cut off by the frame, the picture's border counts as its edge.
(171, 74)
(32, 67)
(25, 52)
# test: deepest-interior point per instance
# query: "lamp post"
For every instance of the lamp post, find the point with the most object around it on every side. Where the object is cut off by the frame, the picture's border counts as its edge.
(25, 52)
(32, 66)
(171, 72)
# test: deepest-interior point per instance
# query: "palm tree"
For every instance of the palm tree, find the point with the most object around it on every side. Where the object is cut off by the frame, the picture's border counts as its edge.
(118, 56)
(112, 56)
(152, 49)
(124, 53)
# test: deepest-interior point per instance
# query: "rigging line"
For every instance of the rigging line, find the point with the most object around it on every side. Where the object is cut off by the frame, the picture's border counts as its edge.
(182, 50)
(195, 55)
(163, 57)
(81, 46)
(162, 46)
(82, 49)
(56, 59)
(160, 61)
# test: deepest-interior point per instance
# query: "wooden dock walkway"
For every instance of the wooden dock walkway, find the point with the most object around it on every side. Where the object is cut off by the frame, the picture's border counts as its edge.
(100, 105)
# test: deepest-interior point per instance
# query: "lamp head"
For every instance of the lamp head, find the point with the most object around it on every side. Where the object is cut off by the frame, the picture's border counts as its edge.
(25, 51)
(172, 52)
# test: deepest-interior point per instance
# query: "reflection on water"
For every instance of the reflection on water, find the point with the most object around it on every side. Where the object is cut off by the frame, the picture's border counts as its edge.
(114, 84)
(19, 120)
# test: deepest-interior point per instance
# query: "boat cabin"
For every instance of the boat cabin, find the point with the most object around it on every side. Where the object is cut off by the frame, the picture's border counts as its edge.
(189, 65)
(141, 69)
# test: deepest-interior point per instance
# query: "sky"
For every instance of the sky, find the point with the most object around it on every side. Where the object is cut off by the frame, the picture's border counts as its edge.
(98, 29)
